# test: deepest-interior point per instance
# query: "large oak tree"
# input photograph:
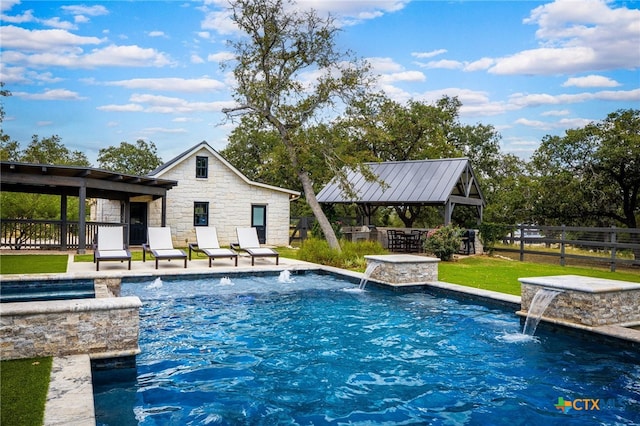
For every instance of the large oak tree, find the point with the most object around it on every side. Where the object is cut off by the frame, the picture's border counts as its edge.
(292, 78)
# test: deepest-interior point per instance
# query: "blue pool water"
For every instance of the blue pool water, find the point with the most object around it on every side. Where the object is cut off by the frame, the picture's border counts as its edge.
(30, 291)
(256, 351)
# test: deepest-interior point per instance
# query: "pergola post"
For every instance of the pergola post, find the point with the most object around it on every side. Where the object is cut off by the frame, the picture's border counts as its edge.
(82, 221)
(63, 222)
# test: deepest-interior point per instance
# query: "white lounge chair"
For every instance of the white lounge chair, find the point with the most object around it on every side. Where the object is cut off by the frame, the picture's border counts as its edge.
(248, 241)
(161, 246)
(110, 246)
(207, 237)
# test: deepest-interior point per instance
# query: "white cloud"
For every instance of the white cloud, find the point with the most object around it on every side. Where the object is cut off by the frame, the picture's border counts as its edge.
(195, 59)
(480, 64)
(156, 34)
(591, 81)
(221, 57)
(27, 16)
(522, 100)
(555, 113)
(50, 95)
(577, 36)
(443, 63)
(565, 123)
(193, 85)
(384, 65)
(57, 23)
(121, 108)
(166, 105)
(43, 40)
(97, 10)
(403, 76)
(424, 55)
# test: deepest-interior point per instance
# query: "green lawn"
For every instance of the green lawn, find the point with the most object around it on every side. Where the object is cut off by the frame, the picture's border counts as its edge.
(491, 273)
(33, 263)
(24, 384)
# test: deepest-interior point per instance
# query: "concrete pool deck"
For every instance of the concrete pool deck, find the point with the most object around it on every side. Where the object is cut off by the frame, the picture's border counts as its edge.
(66, 405)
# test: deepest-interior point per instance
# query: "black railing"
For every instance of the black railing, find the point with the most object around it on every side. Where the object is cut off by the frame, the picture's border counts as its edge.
(18, 234)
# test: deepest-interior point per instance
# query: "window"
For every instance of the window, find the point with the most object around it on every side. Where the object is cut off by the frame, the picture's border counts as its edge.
(202, 167)
(200, 213)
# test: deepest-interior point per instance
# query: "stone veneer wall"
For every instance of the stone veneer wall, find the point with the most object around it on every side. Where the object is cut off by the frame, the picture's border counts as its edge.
(103, 328)
(402, 269)
(587, 308)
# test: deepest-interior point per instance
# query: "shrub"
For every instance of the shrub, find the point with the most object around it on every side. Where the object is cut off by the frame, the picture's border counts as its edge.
(352, 256)
(443, 241)
(491, 233)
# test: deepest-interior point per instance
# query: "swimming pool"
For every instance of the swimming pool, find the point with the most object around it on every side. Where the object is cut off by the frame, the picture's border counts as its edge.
(318, 351)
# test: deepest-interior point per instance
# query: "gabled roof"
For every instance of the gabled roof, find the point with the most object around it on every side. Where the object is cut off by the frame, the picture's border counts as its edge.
(427, 182)
(178, 159)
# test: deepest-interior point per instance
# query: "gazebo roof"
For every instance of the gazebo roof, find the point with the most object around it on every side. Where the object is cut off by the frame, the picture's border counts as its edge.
(421, 182)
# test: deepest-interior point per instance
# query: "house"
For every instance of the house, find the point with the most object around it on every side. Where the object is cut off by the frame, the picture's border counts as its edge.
(210, 192)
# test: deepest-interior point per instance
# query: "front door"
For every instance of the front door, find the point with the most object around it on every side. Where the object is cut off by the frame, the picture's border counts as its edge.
(259, 221)
(138, 224)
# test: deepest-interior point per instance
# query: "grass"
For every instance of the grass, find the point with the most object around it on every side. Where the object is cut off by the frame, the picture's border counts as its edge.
(33, 263)
(24, 380)
(501, 275)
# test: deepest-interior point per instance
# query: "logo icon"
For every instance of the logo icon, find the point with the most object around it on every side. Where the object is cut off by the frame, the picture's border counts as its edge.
(563, 405)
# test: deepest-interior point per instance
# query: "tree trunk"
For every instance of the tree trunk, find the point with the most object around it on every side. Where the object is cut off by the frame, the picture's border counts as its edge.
(326, 227)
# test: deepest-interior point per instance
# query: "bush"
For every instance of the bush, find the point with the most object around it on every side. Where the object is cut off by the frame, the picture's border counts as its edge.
(443, 241)
(491, 233)
(352, 256)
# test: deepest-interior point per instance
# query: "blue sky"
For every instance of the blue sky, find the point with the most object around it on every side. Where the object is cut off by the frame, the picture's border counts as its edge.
(100, 73)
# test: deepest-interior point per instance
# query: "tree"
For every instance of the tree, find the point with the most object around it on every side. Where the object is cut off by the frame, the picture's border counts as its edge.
(417, 131)
(281, 44)
(138, 159)
(592, 173)
(39, 151)
(51, 151)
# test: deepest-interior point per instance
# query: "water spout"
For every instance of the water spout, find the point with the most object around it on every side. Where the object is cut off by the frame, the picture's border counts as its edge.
(367, 274)
(285, 277)
(541, 301)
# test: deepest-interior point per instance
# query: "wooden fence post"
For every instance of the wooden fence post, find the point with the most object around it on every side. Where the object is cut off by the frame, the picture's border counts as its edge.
(562, 240)
(613, 249)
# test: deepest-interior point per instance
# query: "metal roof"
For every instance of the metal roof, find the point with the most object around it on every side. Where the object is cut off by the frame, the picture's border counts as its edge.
(66, 180)
(425, 182)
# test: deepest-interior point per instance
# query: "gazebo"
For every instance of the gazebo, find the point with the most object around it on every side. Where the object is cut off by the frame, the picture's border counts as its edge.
(443, 183)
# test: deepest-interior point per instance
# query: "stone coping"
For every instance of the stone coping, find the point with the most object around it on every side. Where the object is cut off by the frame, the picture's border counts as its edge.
(580, 283)
(70, 305)
(401, 258)
(70, 395)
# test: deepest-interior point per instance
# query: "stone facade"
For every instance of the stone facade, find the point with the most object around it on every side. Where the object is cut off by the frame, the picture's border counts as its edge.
(588, 301)
(105, 327)
(402, 269)
(229, 193)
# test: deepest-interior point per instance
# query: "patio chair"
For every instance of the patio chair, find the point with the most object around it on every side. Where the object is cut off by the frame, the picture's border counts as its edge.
(248, 241)
(161, 246)
(208, 244)
(110, 246)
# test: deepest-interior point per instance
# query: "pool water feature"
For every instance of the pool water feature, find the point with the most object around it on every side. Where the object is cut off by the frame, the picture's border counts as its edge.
(312, 351)
(539, 304)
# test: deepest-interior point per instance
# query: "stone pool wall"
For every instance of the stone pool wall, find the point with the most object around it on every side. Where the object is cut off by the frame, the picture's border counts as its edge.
(402, 269)
(103, 328)
(588, 301)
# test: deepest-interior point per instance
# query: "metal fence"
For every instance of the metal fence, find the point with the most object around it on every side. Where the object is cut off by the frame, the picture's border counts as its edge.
(615, 246)
(18, 234)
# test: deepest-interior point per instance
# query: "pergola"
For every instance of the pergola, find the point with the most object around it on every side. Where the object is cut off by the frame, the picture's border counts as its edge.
(82, 182)
(442, 183)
